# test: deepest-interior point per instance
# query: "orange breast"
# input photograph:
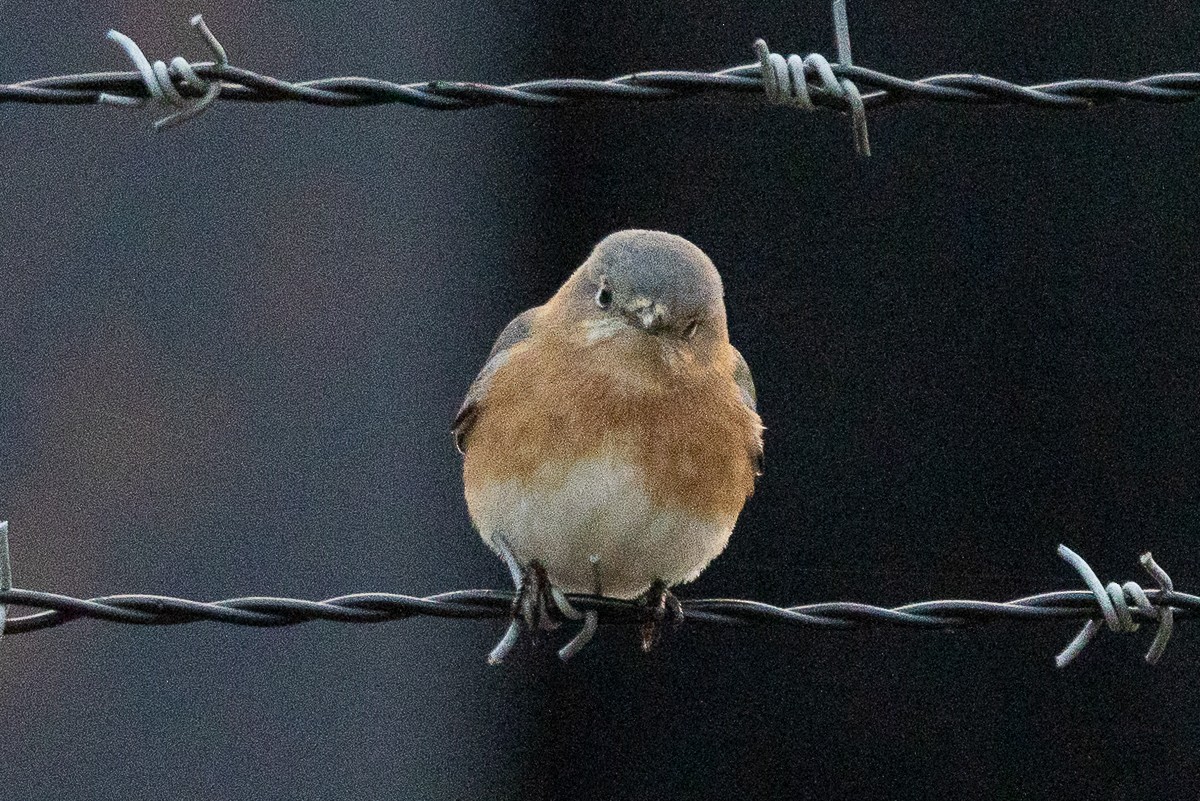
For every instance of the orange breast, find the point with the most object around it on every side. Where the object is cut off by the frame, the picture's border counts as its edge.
(686, 426)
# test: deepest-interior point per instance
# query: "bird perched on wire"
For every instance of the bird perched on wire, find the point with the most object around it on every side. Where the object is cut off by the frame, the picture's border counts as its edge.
(612, 437)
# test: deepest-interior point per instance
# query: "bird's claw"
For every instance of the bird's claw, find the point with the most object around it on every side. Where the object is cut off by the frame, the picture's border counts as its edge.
(661, 606)
(540, 606)
(535, 599)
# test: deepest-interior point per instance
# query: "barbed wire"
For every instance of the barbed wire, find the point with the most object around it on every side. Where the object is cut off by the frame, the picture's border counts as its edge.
(189, 88)
(1120, 607)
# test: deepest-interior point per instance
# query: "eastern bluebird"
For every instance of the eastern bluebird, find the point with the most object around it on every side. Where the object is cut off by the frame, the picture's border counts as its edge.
(612, 437)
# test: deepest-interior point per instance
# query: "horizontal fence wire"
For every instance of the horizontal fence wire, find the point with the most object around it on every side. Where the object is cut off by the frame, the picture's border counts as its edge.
(379, 607)
(188, 88)
(1120, 607)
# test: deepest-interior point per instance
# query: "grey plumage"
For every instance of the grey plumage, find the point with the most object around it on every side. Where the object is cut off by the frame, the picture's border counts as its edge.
(661, 267)
(515, 332)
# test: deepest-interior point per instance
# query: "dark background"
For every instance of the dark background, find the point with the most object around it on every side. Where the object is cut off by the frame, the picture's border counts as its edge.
(229, 356)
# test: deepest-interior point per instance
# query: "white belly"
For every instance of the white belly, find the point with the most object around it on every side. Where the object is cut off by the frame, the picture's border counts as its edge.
(598, 507)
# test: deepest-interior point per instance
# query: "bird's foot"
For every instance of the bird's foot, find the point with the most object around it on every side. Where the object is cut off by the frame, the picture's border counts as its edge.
(535, 599)
(661, 607)
(540, 607)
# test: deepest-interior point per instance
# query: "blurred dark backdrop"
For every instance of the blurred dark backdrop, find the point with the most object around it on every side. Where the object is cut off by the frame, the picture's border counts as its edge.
(229, 356)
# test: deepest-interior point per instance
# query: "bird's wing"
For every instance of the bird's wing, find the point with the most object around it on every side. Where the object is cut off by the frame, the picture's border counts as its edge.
(745, 382)
(514, 333)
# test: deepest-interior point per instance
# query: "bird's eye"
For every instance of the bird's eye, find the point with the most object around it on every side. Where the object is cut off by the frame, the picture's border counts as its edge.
(604, 297)
(691, 329)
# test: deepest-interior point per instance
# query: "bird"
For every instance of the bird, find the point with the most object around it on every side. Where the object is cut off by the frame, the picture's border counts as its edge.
(612, 437)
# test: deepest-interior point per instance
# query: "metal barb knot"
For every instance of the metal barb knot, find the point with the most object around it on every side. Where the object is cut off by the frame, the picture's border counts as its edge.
(160, 81)
(786, 79)
(1114, 602)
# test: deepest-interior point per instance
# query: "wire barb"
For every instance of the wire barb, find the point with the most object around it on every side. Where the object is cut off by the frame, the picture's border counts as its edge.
(1113, 600)
(591, 618)
(785, 80)
(858, 112)
(159, 80)
(530, 605)
(513, 633)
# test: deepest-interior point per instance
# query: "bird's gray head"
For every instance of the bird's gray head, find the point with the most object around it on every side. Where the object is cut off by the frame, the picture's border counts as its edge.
(650, 281)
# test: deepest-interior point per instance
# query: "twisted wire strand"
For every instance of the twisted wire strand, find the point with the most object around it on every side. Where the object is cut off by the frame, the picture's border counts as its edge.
(382, 607)
(1122, 607)
(188, 88)
(353, 91)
